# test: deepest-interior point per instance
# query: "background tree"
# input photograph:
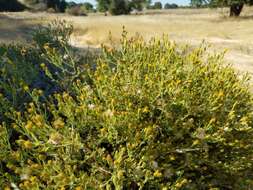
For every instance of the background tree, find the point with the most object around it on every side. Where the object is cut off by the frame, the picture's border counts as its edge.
(157, 5)
(139, 4)
(71, 4)
(170, 6)
(197, 3)
(88, 6)
(119, 7)
(235, 6)
(103, 5)
(11, 5)
(58, 5)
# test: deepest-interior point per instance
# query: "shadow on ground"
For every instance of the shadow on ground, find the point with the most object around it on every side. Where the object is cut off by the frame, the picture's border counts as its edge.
(15, 29)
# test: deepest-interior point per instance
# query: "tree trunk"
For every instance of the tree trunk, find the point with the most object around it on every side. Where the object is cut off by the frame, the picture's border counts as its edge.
(236, 9)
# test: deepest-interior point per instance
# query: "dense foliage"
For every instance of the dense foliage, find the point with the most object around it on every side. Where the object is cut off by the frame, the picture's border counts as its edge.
(118, 7)
(170, 6)
(19, 5)
(157, 5)
(236, 6)
(11, 5)
(77, 11)
(144, 115)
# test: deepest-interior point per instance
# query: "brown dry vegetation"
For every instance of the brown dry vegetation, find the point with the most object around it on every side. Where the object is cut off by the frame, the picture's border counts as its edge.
(182, 25)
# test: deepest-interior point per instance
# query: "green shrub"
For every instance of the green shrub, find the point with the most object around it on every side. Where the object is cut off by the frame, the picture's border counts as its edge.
(88, 7)
(47, 64)
(119, 7)
(77, 11)
(151, 115)
(170, 6)
(157, 5)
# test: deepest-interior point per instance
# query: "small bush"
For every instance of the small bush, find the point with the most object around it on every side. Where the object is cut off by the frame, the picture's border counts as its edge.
(51, 10)
(77, 11)
(148, 115)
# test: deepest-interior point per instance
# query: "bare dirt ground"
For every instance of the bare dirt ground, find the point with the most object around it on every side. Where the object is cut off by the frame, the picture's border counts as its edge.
(182, 25)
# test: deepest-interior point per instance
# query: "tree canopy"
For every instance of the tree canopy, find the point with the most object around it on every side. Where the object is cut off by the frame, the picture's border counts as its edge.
(18, 5)
(117, 7)
(11, 5)
(235, 6)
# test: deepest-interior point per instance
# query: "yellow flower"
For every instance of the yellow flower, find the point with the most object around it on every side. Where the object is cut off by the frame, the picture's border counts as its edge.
(26, 88)
(15, 155)
(78, 188)
(43, 65)
(220, 94)
(108, 113)
(29, 125)
(196, 142)
(58, 124)
(145, 109)
(28, 145)
(103, 131)
(7, 188)
(46, 46)
(35, 166)
(120, 174)
(172, 158)
(65, 95)
(23, 51)
(55, 138)
(31, 104)
(109, 159)
(148, 131)
(42, 157)
(11, 166)
(40, 92)
(30, 110)
(157, 173)
(27, 183)
(213, 120)
(33, 179)
(179, 184)
(18, 114)
(244, 120)
(38, 120)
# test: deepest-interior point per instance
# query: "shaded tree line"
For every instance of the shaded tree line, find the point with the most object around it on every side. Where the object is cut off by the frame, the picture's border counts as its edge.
(114, 7)
(117, 7)
(11, 5)
(235, 6)
(15, 5)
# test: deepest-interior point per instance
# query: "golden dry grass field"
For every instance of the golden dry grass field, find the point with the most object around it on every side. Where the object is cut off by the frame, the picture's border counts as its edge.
(182, 25)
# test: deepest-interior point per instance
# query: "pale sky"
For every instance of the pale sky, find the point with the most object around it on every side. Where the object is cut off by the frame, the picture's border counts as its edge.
(179, 2)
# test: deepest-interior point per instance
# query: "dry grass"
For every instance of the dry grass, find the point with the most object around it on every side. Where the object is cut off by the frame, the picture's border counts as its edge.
(182, 25)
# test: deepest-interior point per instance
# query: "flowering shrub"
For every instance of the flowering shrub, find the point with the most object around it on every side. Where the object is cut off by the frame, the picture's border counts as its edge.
(151, 115)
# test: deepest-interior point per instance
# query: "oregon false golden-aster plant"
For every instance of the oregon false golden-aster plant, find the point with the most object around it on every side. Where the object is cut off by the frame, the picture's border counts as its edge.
(148, 115)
